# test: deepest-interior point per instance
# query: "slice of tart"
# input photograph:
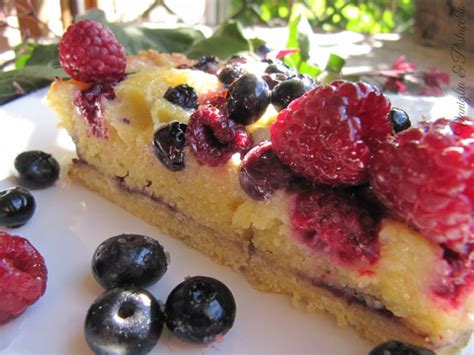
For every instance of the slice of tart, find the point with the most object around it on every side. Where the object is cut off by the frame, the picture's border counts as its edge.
(322, 201)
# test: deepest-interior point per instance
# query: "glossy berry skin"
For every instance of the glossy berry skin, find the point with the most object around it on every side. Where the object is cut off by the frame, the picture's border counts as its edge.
(328, 134)
(230, 73)
(200, 310)
(36, 169)
(262, 173)
(124, 321)
(169, 142)
(394, 347)
(287, 91)
(129, 260)
(89, 52)
(213, 138)
(247, 99)
(425, 176)
(23, 276)
(17, 206)
(336, 223)
(400, 120)
(183, 96)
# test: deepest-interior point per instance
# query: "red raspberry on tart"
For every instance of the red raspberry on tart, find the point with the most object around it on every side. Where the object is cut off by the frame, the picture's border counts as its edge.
(425, 176)
(328, 134)
(90, 52)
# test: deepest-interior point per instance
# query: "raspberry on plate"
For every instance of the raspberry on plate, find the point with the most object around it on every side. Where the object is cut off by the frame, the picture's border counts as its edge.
(23, 276)
(425, 176)
(328, 134)
(90, 52)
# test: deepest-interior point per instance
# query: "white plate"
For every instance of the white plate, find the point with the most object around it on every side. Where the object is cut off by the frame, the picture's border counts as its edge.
(70, 222)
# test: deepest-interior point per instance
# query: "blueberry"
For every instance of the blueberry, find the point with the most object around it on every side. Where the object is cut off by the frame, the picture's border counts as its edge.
(207, 64)
(183, 96)
(200, 309)
(394, 347)
(247, 99)
(124, 321)
(36, 169)
(169, 143)
(229, 73)
(262, 172)
(400, 120)
(280, 68)
(263, 50)
(17, 206)
(129, 259)
(287, 91)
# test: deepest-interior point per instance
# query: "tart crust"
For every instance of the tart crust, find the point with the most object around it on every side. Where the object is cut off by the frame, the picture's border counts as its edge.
(257, 266)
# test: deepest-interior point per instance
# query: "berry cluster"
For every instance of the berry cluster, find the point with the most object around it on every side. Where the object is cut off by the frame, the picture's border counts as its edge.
(129, 319)
(23, 272)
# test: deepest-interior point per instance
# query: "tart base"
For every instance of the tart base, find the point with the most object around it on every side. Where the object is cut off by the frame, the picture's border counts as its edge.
(261, 272)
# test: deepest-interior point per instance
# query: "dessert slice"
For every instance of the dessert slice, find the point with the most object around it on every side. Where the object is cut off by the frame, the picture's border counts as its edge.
(286, 199)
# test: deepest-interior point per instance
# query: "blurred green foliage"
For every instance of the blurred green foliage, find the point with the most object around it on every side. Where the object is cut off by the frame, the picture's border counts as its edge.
(374, 16)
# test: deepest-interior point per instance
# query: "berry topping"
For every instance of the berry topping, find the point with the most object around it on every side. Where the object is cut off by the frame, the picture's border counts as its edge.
(262, 173)
(327, 134)
(90, 52)
(336, 223)
(124, 321)
(169, 143)
(425, 177)
(230, 73)
(200, 310)
(207, 64)
(36, 169)
(400, 120)
(248, 99)
(17, 206)
(23, 276)
(287, 91)
(280, 68)
(89, 103)
(213, 138)
(394, 347)
(182, 95)
(129, 260)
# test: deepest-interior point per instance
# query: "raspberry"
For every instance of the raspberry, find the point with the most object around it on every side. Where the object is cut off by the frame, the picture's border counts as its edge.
(336, 223)
(23, 276)
(327, 135)
(425, 176)
(262, 173)
(213, 138)
(90, 52)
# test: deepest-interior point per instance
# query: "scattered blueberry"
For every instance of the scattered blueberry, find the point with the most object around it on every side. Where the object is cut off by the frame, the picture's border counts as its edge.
(400, 120)
(183, 96)
(394, 347)
(129, 259)
(237, 59)
(200, 309)
(207, 64)
(124, 321)
(17, 206)
(262, 172)
(247, 99)
(287, 91)
(36, 169)
(169, 143)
